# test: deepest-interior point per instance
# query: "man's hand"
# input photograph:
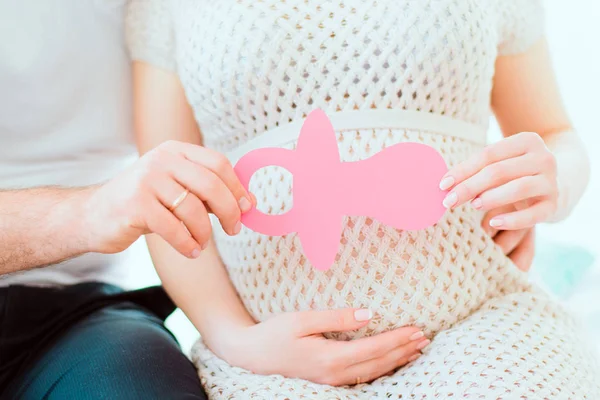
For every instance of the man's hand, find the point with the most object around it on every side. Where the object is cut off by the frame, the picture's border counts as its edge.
(44, 226)
(141, 200)
(292, 344)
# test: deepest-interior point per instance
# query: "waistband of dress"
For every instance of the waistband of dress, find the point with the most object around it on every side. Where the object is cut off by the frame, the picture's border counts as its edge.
(369, 119)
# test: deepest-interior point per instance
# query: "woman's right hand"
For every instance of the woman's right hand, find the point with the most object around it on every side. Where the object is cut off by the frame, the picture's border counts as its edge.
(140, 200)
(292, 344)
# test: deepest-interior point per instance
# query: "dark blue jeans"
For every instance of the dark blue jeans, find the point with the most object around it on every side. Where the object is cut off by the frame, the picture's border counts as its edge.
(90, 341)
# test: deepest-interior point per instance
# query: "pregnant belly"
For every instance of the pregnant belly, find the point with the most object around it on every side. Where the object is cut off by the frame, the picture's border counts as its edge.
(430, 278)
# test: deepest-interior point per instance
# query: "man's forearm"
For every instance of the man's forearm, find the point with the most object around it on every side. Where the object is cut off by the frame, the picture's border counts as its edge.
(40, 226)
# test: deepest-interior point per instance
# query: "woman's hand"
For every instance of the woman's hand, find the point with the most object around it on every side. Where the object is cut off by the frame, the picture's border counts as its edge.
(151, 197)
(518, 170)
(518, 245)
(293, 345)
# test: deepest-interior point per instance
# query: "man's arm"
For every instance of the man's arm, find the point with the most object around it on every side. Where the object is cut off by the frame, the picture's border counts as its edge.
(41, 226)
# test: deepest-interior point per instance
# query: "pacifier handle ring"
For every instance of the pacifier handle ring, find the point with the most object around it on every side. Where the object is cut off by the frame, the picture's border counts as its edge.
(245, 168)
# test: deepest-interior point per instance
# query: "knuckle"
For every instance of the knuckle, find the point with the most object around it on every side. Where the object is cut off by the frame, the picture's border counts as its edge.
(187, 245)
(547, 186)
(170, 230)
(211, 184)
(133, 221)
(487, 155)
(371, 376)
(202, 233)
(533, 139)
(169, 144)
(330, 363)
(197, 211)
(339, 320)
(233, 212)
(140, 182)
(180, 239)
(228, 221)
(551, 210)
(548, 160)
(527, 220)
(156, 160)
(330, 379)
(524, 186)
(466, 191)
(205, 231)
(167, 233)
(222, 163)
(493, 173)
(531, 219)
(140, 186)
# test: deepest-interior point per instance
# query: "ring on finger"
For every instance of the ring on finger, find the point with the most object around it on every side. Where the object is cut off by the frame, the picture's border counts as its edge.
(179, 200)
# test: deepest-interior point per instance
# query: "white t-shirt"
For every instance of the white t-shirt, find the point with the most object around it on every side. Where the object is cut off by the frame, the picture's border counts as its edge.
(65, 110)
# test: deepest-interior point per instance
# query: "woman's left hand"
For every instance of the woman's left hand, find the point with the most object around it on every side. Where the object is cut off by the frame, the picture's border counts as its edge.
(517, 170)
(518, 245)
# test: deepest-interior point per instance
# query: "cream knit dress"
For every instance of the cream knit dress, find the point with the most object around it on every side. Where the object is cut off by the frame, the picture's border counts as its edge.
(249, 66)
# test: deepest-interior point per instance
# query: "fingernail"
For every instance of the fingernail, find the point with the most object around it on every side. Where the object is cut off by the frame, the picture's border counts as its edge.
(414, 357)
(450, 200)
(245, 204)
(195, 253)
(446, 183)
(204, 246)
(416, 335)
(477, 204)
(363, 315)
(423, 344)
(496, 222)
(237, 228)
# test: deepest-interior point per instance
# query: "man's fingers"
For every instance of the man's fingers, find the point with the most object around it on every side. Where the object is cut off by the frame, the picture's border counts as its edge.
(162, 222)
(510, 240)
(523, 255)
(209, 188)
(307, 323)
(191, 211)
(220, 166)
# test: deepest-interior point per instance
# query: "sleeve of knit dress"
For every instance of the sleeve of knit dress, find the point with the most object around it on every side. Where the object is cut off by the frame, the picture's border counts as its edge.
(149, 33)
(522, 24)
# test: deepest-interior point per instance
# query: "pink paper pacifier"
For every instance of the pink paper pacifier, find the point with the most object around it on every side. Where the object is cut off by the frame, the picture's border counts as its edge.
(399, 186)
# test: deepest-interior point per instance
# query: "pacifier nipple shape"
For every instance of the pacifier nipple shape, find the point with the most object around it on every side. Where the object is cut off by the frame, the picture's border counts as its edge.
(397, 186)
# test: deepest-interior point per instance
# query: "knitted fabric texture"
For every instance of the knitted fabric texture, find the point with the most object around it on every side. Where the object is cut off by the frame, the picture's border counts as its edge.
(250, 66)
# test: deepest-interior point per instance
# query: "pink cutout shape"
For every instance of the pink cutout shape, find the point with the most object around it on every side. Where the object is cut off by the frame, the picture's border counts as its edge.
(326, 189)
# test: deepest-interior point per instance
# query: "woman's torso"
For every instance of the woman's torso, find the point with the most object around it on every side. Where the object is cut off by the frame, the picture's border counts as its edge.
(65, 109)
(250, 66)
